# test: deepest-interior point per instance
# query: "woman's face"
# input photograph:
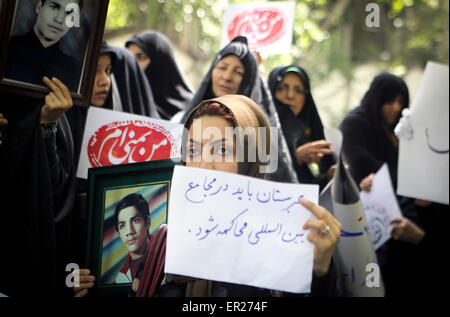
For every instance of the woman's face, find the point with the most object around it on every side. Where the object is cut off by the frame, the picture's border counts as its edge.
(142, 58)
(390, 112)
(227, 76)
(291, 91)
(214, 149)
(102, 84)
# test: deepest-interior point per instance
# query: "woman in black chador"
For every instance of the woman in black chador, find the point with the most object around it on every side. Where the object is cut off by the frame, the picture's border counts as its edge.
(155, 55)
(235, 71)
(301, 125)
(369, 142)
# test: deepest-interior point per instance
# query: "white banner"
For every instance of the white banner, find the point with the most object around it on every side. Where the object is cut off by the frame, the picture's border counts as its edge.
(424, 153)
(268, 26)
(238, 229)
(113, 138)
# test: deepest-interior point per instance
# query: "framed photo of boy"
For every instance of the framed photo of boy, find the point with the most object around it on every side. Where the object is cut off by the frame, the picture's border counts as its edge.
(53, 38)
(127, 207)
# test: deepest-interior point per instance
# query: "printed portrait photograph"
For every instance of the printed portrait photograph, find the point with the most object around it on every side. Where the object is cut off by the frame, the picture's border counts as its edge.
(49, 38)
(131, 216)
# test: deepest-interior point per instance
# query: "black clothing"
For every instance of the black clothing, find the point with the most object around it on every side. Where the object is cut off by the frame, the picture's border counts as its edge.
(132, 87)
(29, 61)
(37, 188)
(254, 87)
(325, 286)
(368, 143)
(132, 84)
(170, 89)
(134, 96)
(303, 128)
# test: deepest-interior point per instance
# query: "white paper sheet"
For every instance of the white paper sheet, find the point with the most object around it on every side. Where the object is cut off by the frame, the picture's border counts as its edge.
(380, 206)
(237, 229)
(424, 159)
(113, 138)
(268, 26)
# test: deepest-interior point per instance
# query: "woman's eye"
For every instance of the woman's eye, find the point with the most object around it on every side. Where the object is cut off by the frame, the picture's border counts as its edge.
(221, 150)
(193, 152)
(137, 220)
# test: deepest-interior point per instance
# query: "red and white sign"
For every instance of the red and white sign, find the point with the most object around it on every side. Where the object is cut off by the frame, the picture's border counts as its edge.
(113, 138)
(268, 26)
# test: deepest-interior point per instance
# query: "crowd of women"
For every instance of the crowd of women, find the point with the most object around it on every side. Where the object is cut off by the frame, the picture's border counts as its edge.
(44, 205)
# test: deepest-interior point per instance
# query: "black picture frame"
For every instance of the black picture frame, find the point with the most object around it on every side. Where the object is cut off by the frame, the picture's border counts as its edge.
(80, 45)
(105, 252)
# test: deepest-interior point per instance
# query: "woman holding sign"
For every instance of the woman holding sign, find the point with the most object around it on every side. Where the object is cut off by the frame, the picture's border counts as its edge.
(369, 142)
(219, 153)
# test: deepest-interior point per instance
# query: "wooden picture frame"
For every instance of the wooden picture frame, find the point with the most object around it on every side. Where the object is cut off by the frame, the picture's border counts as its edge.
(107, 251)
(24, 59)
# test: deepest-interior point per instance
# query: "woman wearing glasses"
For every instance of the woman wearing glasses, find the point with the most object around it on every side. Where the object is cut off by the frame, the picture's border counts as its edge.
(301, 125)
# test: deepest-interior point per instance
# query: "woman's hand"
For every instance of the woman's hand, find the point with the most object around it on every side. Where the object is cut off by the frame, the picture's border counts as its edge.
(313, 151)
(3, 125)
(57, 101)
(366, 183)
(86, 282)
(406, 230)
(324, 237)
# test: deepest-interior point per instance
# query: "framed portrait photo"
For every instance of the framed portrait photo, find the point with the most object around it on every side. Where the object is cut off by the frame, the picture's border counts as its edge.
(53, 38)
(127, 205)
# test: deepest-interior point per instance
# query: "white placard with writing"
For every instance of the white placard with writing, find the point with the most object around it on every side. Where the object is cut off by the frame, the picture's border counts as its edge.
(238, 229)
(381, 207)
(113, 138)
(424, 158)
(268, 26)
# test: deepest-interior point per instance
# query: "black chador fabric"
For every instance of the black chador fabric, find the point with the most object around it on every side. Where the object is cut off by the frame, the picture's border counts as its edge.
(303, 128)
(170, 89)
(254, 87)
(369, 143)
(133, 91)
(133, 87)
(29, 61)
(37, 187)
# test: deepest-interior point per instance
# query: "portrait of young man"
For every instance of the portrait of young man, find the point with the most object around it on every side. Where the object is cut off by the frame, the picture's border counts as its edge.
(132, 221)
(38, 52)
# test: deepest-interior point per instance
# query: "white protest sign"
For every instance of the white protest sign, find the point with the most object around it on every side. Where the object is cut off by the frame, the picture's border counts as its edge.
(424, 155)
(113, 138)
(238, 229)
(380, 206)
(268, 26)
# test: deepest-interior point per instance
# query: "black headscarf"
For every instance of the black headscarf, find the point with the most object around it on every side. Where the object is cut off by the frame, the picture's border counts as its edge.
(132, 84)
(254, 87)
(368, 142)
(132, 89)
(303, 128)
(170, 89)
